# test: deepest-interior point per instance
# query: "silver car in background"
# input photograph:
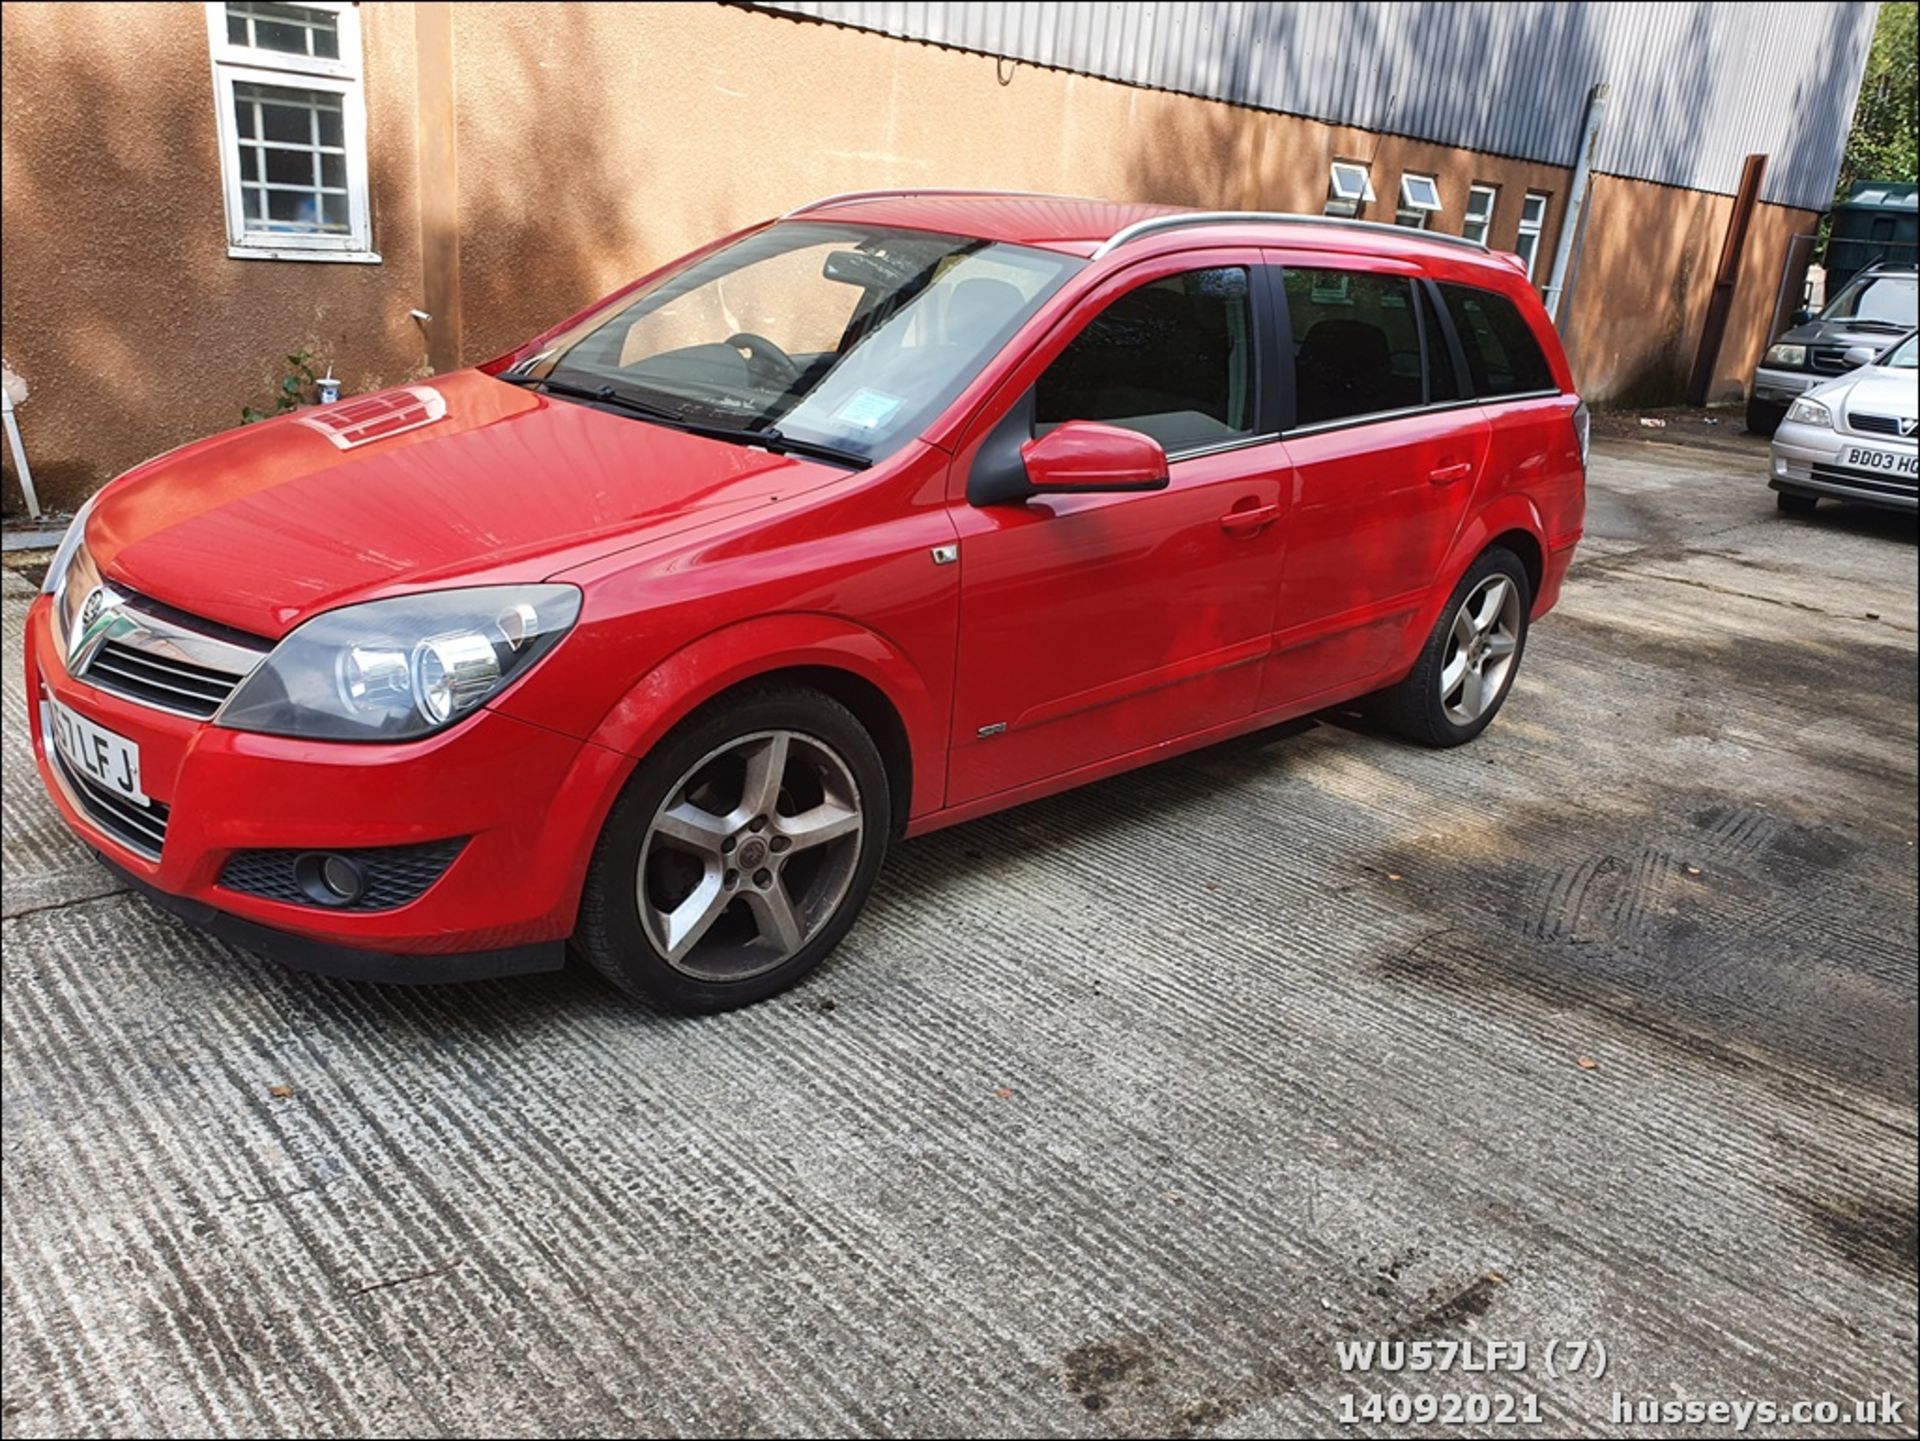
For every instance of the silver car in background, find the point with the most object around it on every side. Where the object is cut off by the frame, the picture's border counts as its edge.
(1853, 438)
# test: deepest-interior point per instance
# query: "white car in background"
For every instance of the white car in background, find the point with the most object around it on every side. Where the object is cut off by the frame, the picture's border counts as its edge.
(1853, 438)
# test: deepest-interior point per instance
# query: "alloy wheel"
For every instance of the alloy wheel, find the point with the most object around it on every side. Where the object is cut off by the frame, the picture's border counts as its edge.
(749, 855)
(1481, 646)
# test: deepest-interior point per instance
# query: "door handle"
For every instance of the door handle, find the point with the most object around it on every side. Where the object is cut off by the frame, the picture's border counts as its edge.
(1253, 518)
(1447, 474)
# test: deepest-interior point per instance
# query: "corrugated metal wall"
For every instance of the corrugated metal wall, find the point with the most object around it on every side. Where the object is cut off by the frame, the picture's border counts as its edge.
(1696, 86)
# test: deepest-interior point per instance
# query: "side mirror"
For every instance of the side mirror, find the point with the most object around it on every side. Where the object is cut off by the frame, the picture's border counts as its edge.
(1802, 316)
(1858, 355)
(1084, 456)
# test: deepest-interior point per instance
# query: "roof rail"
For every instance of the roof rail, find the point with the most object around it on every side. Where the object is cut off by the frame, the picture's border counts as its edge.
(854, 197)
(1159, 223)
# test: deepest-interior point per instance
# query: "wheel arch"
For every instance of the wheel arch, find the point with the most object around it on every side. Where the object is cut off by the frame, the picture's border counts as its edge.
(1511, 520)
(1525, 544)
(855, 666)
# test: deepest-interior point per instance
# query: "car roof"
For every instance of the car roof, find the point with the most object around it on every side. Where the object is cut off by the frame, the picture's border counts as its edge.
(1079, 226)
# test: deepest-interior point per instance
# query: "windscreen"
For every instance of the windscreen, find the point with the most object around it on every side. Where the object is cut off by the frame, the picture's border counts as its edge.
(848, 336)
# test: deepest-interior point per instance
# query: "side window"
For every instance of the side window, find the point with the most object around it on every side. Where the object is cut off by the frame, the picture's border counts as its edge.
(1443, 385)
(1172, 359)
(1502, 356)
(1356, 344)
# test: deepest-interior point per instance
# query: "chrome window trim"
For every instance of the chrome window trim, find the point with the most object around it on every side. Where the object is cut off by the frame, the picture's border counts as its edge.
(1347, 422)
(1239, 442)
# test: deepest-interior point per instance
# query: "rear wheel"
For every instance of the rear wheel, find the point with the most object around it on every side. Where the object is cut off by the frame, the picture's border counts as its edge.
(1796, 504)
(739, 853)
(1467, 666)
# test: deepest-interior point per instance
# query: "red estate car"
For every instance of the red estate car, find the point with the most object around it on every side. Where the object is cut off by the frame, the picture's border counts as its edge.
(904, 508)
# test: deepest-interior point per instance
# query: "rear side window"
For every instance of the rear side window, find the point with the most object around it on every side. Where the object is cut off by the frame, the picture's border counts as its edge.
(1502, 356)
(1172, 359)
(1356, 344)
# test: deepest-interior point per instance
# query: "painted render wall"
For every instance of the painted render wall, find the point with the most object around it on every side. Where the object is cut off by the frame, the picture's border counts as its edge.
(134, 330)
(591, 142)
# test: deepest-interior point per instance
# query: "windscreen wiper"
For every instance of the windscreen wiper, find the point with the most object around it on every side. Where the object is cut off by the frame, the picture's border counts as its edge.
(767, 437)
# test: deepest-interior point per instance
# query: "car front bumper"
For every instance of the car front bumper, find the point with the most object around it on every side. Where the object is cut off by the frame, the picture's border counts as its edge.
(1783, 387)
(1816, 460)
(526, 801)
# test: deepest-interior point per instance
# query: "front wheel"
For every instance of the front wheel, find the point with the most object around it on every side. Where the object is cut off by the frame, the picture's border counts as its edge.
(1794, 504)
(1467, 666)
(1764, 417)
(738, 854)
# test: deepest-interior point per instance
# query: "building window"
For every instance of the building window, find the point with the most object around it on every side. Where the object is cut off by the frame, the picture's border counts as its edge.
(1419, 198)
(1478, 224)
(292, 113)
(1348, 188)
(1533, 219)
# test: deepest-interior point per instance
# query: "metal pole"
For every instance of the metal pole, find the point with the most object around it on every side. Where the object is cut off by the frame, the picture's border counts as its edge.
(1571, 223)
(19, 455)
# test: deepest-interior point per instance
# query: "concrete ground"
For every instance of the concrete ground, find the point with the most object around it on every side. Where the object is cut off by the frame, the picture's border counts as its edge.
(1113, 1115)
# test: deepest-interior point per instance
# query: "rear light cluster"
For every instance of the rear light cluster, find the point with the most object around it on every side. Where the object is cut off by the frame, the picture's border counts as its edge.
(1582, 430)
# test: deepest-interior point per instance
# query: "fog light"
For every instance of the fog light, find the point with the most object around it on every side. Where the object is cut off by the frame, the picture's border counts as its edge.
(330, 879)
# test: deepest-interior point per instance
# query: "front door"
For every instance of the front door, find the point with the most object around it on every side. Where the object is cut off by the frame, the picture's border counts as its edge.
(1095, 626)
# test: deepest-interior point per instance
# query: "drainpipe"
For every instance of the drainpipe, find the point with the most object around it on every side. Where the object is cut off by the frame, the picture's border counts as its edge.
(1575, 219)
(7, 388)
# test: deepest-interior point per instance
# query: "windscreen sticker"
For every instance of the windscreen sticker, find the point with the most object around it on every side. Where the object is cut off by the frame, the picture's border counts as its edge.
(867, 409)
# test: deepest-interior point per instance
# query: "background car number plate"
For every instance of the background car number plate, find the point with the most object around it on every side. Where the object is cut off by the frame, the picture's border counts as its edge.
(104, 758)
(1890, 462)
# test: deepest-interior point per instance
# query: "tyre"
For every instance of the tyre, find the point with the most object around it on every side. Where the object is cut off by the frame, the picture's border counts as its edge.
(1467, 666)
(739, 852)
(1795, 504)
(1763, 417)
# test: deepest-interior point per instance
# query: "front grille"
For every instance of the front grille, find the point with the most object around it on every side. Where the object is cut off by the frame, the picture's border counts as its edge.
(141, 828)
(159, 680)
(395, 875)
(1866, 481)
(1875, 424)
(1829, 360)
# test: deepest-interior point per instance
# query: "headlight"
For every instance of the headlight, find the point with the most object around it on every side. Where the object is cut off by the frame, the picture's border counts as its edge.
(1810, 412)
(69, 543)
(71, 577)
(1794, 356)
(392, 670)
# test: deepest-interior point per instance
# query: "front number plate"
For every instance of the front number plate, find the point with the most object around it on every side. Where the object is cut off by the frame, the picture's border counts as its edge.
(104, 758)
(1886, 462)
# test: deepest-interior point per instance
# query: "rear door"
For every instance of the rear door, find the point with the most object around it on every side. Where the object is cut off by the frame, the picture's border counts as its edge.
(1532, 446)
(1386, 449)
(1093, 626)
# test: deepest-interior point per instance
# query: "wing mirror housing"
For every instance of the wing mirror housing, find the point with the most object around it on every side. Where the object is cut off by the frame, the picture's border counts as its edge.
(1858, 355)
(1084, 455)
(1080, 457)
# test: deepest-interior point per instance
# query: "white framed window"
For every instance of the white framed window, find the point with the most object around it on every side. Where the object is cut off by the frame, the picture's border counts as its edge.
(1533, 219)
(1348, 188)
(1478, 224)
(288, 91)
(1419, 198)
